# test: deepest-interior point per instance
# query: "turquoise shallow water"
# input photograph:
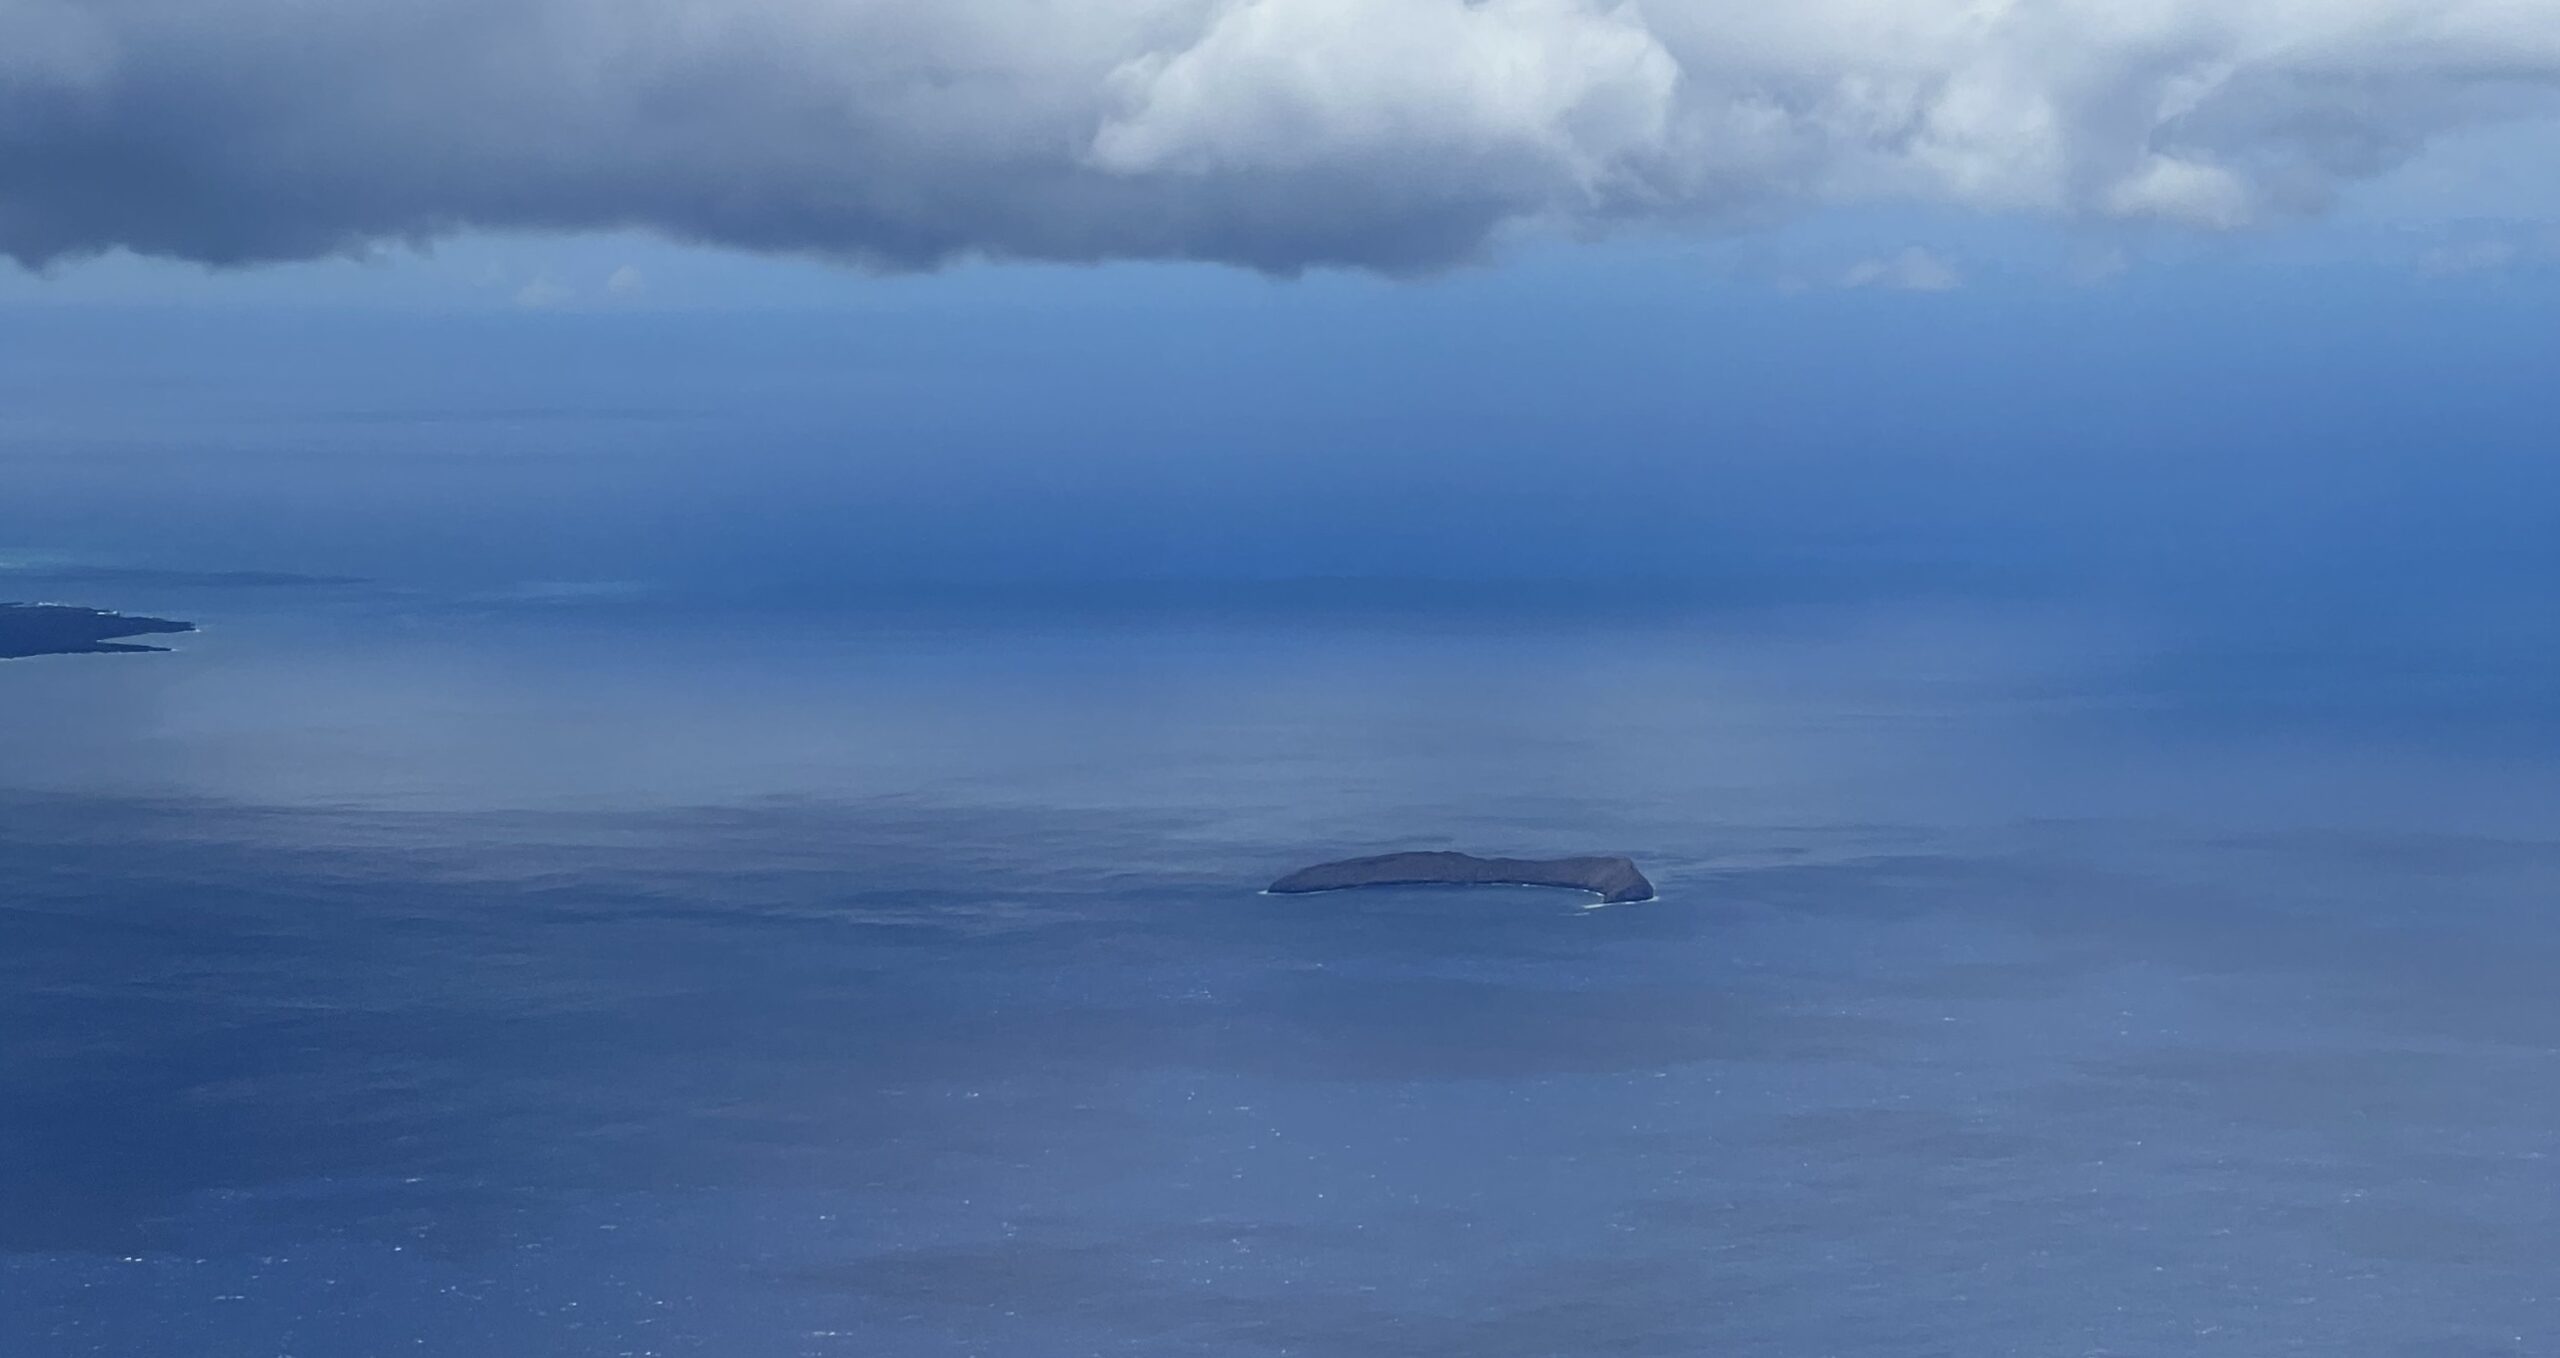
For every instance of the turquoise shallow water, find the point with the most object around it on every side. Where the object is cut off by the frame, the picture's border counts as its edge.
(399, 976)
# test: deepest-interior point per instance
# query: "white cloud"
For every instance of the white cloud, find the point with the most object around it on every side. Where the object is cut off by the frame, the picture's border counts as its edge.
(544, 294)
(2187, 192)
(1912, 269)
(2469, 257)
(1552, 91)
(1272, 133)
(2096, 264)
(625, 281)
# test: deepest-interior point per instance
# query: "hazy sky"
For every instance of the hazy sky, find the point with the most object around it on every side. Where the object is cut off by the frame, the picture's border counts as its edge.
(785, 292)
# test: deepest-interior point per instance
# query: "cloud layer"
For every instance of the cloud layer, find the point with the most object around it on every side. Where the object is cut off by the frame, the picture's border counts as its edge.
(1276, 134)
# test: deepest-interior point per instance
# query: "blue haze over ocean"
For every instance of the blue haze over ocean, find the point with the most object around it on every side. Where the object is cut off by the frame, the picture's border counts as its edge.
(765, 862)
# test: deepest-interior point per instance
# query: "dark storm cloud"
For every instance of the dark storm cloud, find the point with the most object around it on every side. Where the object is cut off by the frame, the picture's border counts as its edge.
(1271, 133)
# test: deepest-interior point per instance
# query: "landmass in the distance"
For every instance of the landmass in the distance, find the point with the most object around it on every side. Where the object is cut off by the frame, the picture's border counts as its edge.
(64, 629)
(1613, 880)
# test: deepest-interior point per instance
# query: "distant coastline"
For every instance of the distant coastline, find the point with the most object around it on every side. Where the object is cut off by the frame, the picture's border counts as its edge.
(28, 630)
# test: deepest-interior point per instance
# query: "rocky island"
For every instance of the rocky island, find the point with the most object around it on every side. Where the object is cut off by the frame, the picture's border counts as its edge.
(1613, 880)
(62, 629)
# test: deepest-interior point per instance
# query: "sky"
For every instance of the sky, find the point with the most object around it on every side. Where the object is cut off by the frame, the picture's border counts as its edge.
(797, 296)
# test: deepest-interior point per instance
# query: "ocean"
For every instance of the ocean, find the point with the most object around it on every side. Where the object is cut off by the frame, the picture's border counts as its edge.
(570, 973)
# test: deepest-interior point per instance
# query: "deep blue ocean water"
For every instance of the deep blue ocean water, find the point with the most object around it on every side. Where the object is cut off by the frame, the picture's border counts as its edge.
(569, 976)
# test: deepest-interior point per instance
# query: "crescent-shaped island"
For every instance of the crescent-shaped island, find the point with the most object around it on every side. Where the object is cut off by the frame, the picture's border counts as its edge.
(1614, 880)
